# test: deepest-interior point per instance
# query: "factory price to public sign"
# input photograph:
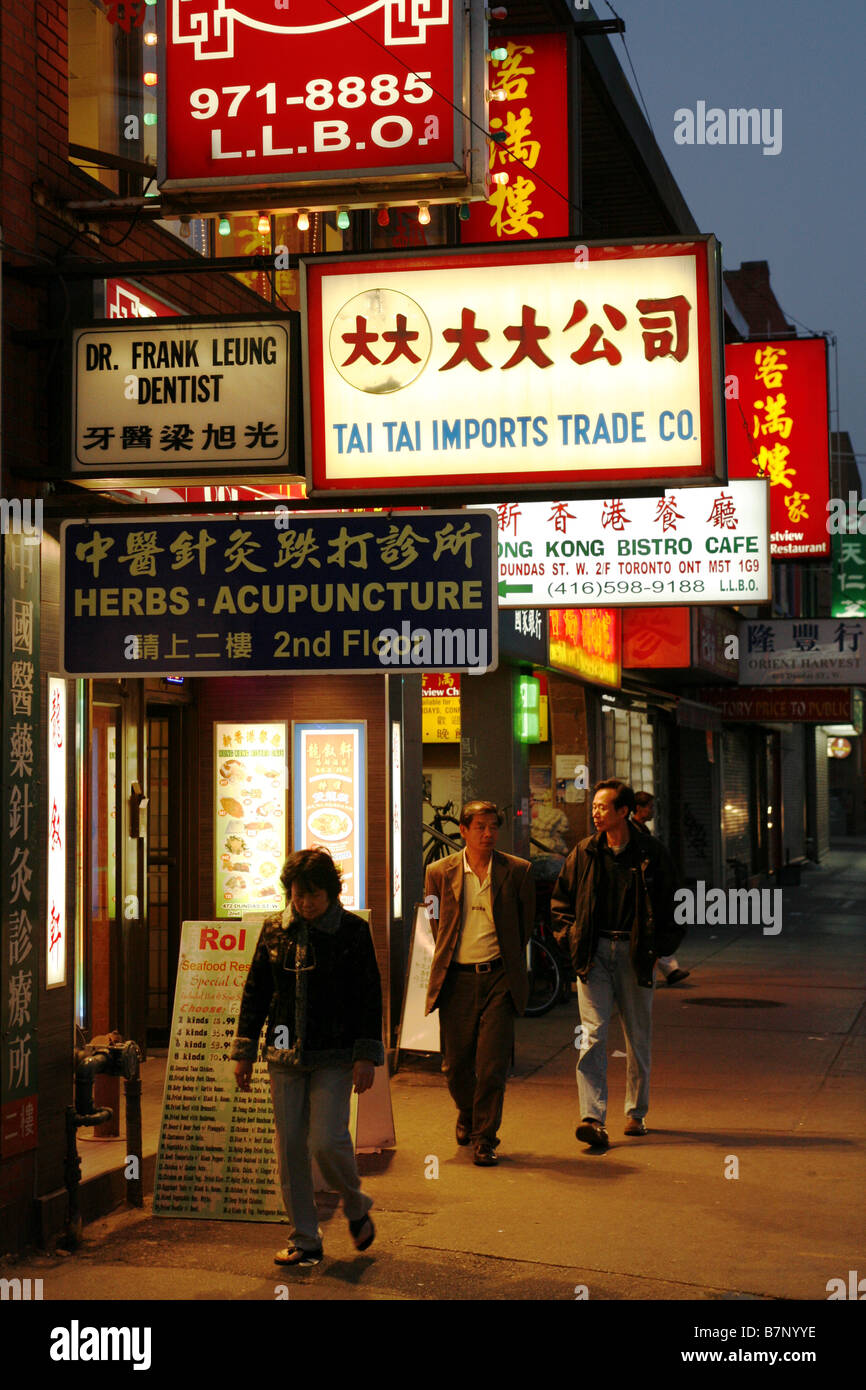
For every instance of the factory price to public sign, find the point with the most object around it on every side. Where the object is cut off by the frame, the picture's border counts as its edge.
(699, 545)
(253, 93)
(564, 364)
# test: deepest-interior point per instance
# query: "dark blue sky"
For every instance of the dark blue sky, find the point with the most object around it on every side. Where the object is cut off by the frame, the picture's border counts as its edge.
(804, 209)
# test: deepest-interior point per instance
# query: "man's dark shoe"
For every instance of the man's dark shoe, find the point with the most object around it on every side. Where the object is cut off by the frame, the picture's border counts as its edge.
(463, 1133)
(363, 1232)
(634, 1126)
(677, 975)
(592, 1132)
(485, 1155)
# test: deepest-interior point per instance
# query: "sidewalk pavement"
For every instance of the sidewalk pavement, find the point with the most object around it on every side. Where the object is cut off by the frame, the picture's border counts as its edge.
(749, 1185)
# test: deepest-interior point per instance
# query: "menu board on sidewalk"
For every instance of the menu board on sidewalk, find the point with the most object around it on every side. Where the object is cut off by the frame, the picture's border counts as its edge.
(216, 1156)
(250, 768)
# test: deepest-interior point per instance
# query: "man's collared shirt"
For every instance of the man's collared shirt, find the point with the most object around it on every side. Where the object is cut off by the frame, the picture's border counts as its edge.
(478, 940)
(618, 896)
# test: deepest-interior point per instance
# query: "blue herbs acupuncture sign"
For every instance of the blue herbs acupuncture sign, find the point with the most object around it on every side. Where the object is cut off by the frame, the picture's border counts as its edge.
(292, 592)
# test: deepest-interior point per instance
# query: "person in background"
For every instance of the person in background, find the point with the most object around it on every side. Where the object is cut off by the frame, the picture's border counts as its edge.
(314, 978)
(482, 915)
(614, 906)
(644, 810)
(549, 842)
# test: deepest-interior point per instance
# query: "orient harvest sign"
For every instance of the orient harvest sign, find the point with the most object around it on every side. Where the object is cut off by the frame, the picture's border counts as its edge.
(458, 370)
(258, 95)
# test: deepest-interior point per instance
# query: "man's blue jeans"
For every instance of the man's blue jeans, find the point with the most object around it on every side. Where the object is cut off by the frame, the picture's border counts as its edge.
(611, 979)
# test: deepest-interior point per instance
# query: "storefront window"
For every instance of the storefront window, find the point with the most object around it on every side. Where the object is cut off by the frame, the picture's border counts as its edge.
(112, 86)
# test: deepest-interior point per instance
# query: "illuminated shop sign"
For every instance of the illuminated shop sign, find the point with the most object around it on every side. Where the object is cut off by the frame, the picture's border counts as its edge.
(529, 109)
(467, 369)
(124, 300)
(289, 593)
(694, 545)
(587, 643)
(849, 576)
(58, 848)
(250, 768)
(777, 428)
(396, 822)
(803, 651)
(657, 637)
(166, 398)
(329, 770)
(440, 708)
(254, 95)
(527, 712)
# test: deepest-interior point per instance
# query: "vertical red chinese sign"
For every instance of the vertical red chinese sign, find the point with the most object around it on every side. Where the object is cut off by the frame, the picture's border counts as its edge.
(529, 108)
(778, 428)
(22, 846)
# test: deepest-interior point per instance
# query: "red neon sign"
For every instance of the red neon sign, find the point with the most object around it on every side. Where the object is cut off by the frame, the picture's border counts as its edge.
(254, 94)
(778, 428)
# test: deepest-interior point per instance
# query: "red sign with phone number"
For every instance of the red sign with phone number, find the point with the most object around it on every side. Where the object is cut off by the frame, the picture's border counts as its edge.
(253, 93)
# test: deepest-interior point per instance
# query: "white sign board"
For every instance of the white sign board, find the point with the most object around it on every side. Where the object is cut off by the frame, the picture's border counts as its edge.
(167, 396)
(803, 651)
(419, 1032)
(216, 1144)
(692, 546)
(549, 366)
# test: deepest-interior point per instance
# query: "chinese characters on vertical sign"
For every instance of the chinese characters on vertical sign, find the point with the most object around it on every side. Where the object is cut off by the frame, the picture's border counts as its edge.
(22, 845)
(587, 641)
(250, 767)
(329, 768)
(849, 576)
(529, 110)
(55, 940)
(440, 707)
(778, 429)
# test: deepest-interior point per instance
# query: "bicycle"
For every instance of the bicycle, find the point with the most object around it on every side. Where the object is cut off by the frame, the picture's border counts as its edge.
(438, 843)
(549, 973)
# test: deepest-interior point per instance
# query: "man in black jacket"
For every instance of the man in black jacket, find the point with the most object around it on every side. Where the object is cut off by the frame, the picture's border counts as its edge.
(644, 810)
(613, 905)
(314, 978)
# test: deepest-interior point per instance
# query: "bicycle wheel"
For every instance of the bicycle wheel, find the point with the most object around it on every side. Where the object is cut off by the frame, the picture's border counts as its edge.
(544, 979)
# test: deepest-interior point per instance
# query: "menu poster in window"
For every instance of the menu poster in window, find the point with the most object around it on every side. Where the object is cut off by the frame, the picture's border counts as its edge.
(216, 1144)
(249, 817)
(330, 798)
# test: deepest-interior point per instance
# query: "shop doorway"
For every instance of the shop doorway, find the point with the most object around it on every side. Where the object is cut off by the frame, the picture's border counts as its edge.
(103, 946)
(164, 762)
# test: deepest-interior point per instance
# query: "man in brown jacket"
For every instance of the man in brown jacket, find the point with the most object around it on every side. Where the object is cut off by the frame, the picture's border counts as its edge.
(482, 913)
